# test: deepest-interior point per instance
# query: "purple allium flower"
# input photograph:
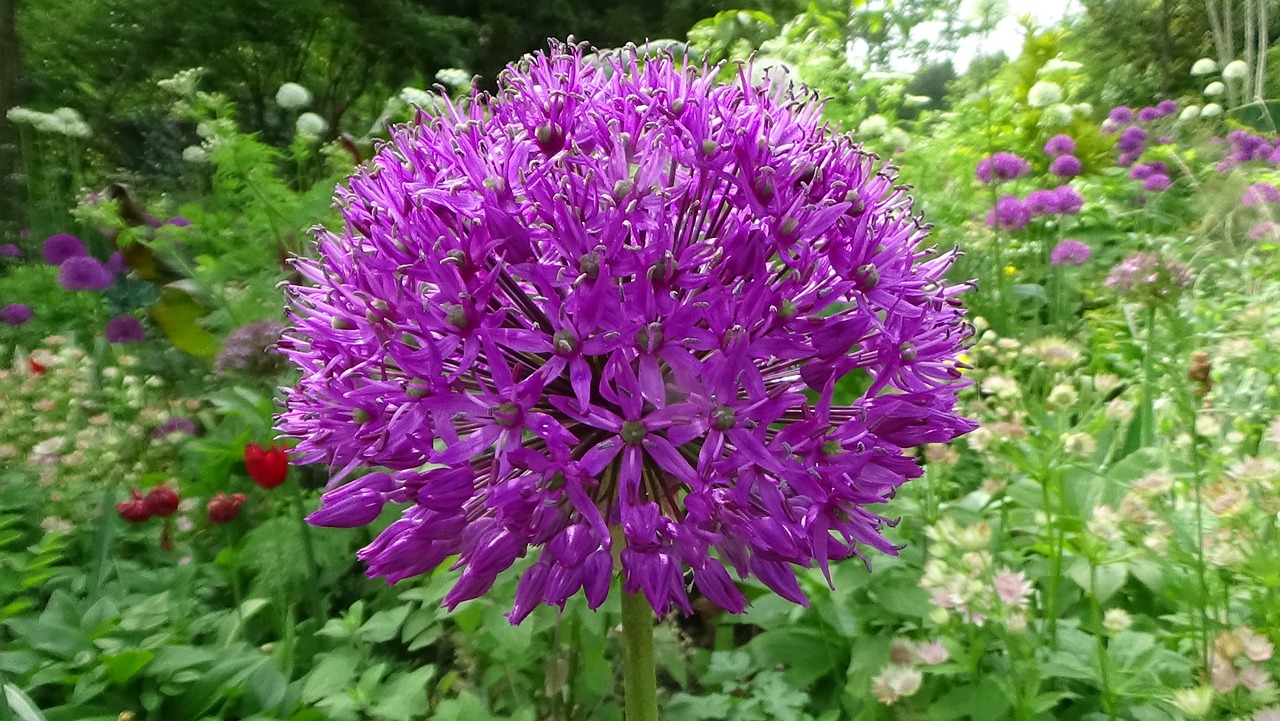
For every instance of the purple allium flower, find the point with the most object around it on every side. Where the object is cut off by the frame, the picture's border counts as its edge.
(1143, 171)
(1069, 200)
(178, 222)
(115, 264)
(1040, 202)
(1148, 277)
(175, 425)
(1070, 252)
(1164, 140)
(597, 300)
(125, 329)
(58, 248)
(15, 314)
(1060, 145)
(9, 250)
(1147, 115)
(1010, 213)
(1065, 166)
(1132, 139)
(1264, 230)
(1260, 194)
(1128, 158)
(1001, 167)
(1166, 107)
(1121, 114)
(251, 350)
(84, 273)
(1156, 183)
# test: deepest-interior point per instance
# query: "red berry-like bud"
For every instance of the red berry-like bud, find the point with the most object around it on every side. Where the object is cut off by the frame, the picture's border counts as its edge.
(162, 501)
(134, 510)
(268, 467)
(37, 367)
(224, 508)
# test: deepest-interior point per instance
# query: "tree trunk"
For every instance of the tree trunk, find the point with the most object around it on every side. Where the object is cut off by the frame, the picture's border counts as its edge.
(9, 64)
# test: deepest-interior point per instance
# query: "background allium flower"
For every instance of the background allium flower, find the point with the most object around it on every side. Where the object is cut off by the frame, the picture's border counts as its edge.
(1213, 90)
(15, 314)
(1156, 183)
(250, 349)
(175, 425)
(311, 125)
(1065, 166)
(1068, 200)
(873, 127)
(115, 264)
(1010, 213)
(1166, 107)
(1043, 94)
(1204, 66)
(60, 247)
(84, 273)
(1121, 114)
(292, 96)
(1041, 202)
(1001, 167)
(1189, 113)
(1070, 252)
(1266, 230)
(620, 282)
(1259, 194)
(1060, 145)
(1235, 70)
(9, 250)
(178, 222)
(1147, 115)
(1148, 277)
(1132, 138)
(125, 329)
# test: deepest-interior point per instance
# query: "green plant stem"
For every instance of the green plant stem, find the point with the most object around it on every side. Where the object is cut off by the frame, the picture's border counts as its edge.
(639, 679)
(1146, 413)
(308, 549)
(1197, 481)
(1104, 661)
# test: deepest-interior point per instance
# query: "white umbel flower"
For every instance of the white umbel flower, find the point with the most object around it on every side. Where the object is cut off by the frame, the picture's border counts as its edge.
(1056, 116)
(1235, 70)
(1189, 113)
(1204, 66)
(311, 125)
(420, 98)
(1084, 109)
(897, 138)
(1058, 65)
(1214, 89)
(1043, 94)
(1212, 110)
(292, 96)
(71, 123)
(873, 127)
(453, 77)
(915, 101)
(194, 154)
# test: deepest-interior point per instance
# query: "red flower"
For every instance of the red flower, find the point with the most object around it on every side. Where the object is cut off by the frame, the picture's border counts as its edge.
(37, 367)
(268, 466)
(162, 501)
(135, 510)
(224, 508)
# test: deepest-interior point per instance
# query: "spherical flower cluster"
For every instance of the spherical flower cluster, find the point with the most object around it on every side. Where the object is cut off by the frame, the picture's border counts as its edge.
(58, 248)
(1156, 183)
(15, 314)
(1132, 139)
(1070, 252)
(454, 77)
(1060, 145)
(1204, 66)
(1246, 147)
(598, 302)
(1142, 171)
(1266, 230)
(1002, 167)
(63, 121)
(84, 273)
(1189, 113)
(125, 329)
(1235, 70)
(184, 426)
(311, 125)
(250, 350)
(1148, 277)
(1260, 194)
(1066, 166)
(873, 126)
(9, 250)
(1215, 89)
(1010, 213)
(1043, 94)
(292, 96)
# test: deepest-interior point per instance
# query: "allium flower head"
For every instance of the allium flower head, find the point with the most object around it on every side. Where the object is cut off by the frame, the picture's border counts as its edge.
(60, 247)
(1266, 230)
(1070, 252)
(1043, 94)
(15, 314)
(873, 126)
(1166, 107)
(1235, 70)
(1065, 166)
(292, 96)
(1147, 115)
(250, 349)
(1189, 113)
(1010, 213)
(1041, 202)
(1148, 277)
(1001, 167)
(311, 125)
(1213, 90)
(1204, 66)
(1060, 145)
(185, 426)
(1132, 139)
(1121, 114)
(9, 250)
(1068, 200)
(1156, 183)
(125, 329)
(1260, 194)
(84, 273)
(596, 301)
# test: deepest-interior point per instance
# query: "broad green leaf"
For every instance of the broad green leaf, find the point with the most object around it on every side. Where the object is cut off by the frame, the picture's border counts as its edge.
(333, 675)
(177, 313)
(125, 665)
(21, 704)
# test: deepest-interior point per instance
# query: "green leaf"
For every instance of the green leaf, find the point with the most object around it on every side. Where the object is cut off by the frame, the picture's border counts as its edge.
(332, 676)
(177, 313)
(384, 625)
(125, 665)
(686, 707)
(21, 704)
(983, 701)
(406, 697)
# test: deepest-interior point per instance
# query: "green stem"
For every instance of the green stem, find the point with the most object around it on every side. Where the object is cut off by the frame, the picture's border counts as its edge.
(639, 679)
(1146, 414)
(1100, 647)
(308, 549)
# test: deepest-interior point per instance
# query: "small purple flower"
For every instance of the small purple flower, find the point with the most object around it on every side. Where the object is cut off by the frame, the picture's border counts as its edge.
(175, 425)
(1156, 183)
(1010, 213)
(58, 248)
(178, 222)
(1002, 167)
(1142, 171)
(595, 368)
(1121, 114)
(1041, 202)
(1165, 140)
(84, 273)
(1132, 139)
(1070, 252)
(125, 329)
(9, 250)
(15, 314)
(115, 264)
(1166, 107)
(251, 350)
(1069, 200)
(1060, 145)
(1066, 166)
(1264, 231)
(1128, 158)
(1147, 115)
(1260, 194)
(1148, 277)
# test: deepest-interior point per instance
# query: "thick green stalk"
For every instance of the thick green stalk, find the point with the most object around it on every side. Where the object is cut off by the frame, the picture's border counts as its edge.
(1146, 413)
(639, 679)
(308, 549)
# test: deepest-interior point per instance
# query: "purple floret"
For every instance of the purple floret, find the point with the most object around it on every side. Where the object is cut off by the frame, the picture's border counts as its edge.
(9, 250)
(1002, 167)
(58, 248)
(125, 329)
(1060, 145)
(1260, 194)
(1070, 252)
(84, 273)
(1065, 166)
(15, 314)
(1010, 213)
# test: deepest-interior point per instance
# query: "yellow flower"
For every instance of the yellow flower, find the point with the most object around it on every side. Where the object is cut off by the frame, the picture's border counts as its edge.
(1009, 270)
